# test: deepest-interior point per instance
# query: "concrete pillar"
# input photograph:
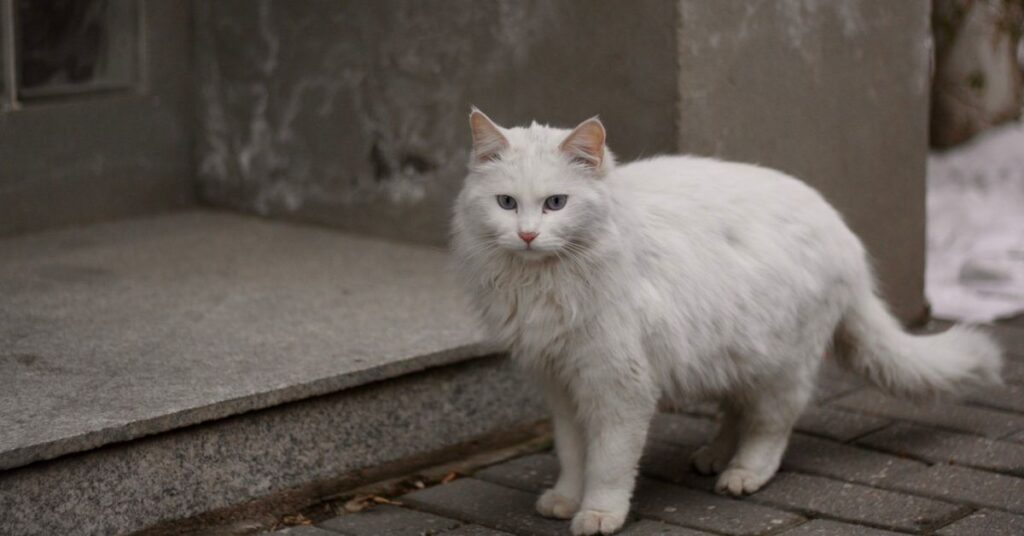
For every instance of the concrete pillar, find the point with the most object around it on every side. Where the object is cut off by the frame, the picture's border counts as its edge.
(835, 93)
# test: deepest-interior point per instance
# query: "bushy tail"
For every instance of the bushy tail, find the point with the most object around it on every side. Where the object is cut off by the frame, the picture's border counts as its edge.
(870, 342)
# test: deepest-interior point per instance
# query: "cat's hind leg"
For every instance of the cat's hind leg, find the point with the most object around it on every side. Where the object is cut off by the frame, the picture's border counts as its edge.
(765, 423)
(712, 458)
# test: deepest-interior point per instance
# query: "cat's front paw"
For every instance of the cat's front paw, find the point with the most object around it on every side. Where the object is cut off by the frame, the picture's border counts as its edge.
(554, 504)
(737, 482)
(708, 461)
(588, 522)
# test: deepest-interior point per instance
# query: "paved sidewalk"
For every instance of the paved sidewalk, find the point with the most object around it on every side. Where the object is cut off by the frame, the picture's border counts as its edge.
(859, 464)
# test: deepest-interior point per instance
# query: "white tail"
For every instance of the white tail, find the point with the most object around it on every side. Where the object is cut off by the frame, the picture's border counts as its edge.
(870, 342)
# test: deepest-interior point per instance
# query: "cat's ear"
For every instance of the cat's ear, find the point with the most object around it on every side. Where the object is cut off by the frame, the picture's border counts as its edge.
(585, 144)
(488, 141)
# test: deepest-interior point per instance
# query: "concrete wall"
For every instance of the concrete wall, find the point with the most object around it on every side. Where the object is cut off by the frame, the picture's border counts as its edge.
(354, 113)
(835, 93)
(109, 155)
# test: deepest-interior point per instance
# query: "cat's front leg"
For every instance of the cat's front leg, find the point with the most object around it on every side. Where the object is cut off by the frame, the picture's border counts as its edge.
(615, 430)
(563, 500)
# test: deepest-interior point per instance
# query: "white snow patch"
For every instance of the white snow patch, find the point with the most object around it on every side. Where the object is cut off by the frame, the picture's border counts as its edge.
(975, 262)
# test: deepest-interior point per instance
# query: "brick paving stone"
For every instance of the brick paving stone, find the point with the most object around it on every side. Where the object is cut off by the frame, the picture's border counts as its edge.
(476, 530)
(706, 511)
(1013, 371)
(681, 429)
(1007, 398)
(1017, 321)
(386, 520)
(837, 424)
(1011, 338)
(805, 453)
(654, 528)
(981, 421)
(1017, 438)
(940, 446)
(824, 527)
(304, 531)
(844, 462)
(488, 504)
(534, 473)
(986, 523)
(965, 485)
(853, 502)
(668, 462)
(539, 471)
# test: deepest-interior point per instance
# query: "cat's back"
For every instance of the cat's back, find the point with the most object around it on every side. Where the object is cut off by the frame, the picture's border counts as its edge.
(695, 191)
(710, 238)
(690, 175)
(714, 217)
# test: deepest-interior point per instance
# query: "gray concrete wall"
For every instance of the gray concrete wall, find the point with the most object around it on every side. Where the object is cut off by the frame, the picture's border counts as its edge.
(835, 93)
(110, 155)
(354, 113)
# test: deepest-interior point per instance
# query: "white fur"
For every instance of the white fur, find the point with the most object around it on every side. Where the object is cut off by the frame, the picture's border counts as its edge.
(676, 279)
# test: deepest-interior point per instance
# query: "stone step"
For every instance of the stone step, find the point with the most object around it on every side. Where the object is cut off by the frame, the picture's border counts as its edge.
(163, 367)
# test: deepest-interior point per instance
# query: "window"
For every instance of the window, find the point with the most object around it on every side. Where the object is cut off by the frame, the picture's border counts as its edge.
(59, 48)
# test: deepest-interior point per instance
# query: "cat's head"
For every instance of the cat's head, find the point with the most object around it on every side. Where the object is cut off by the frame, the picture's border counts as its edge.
(534, 192)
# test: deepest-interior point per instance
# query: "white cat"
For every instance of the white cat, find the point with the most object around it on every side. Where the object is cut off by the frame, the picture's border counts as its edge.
(674, 279)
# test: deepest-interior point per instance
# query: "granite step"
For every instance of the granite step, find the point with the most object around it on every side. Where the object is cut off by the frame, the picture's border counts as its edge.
(162, 367)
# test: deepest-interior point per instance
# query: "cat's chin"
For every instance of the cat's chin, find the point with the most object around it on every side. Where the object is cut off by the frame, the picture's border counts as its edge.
(534, 255)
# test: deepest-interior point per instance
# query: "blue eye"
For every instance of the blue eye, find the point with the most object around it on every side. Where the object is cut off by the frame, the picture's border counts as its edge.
(556, 202)
(507, 202)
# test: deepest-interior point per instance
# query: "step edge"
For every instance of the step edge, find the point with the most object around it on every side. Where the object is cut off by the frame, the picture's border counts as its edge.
(122, 432)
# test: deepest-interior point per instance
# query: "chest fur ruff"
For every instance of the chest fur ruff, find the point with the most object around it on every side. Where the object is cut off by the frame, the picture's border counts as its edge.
(531, 321)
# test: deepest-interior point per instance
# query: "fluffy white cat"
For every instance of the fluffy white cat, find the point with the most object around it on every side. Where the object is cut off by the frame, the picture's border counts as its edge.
(674, 279)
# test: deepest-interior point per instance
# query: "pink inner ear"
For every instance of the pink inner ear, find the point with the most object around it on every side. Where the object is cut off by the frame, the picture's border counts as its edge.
(585, 143)
(488, 141)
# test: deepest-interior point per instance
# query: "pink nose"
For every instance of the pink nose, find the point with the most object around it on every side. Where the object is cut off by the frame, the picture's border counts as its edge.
(527, 237)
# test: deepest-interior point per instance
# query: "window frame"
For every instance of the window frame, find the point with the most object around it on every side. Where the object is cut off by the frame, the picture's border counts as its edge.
(8, 78)
(12, 99)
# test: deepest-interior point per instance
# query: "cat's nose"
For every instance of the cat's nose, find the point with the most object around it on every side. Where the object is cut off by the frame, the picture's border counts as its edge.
(527, 236)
